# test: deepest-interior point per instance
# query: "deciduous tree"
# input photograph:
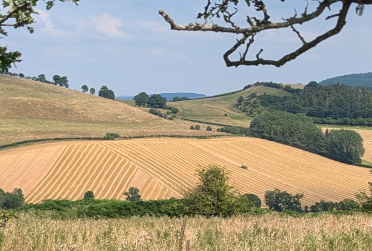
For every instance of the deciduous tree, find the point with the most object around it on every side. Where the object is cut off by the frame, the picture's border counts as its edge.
(84, 88)
(133, 194)
(213, 196)
(141, 99)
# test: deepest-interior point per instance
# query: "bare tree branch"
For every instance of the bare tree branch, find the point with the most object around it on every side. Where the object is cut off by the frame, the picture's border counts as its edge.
(257, 25)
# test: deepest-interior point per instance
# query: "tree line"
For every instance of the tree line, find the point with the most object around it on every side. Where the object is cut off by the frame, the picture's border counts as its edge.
(300, 131)
(56, 80)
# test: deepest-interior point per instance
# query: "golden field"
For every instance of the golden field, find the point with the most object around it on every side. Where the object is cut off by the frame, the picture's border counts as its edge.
(164, 168)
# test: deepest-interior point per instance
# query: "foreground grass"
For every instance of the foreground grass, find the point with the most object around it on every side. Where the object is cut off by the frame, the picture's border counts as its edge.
(250, 232)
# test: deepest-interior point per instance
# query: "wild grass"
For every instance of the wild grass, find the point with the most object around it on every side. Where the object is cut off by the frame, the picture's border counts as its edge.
(213, 110)
(249, 232)
(33, 110)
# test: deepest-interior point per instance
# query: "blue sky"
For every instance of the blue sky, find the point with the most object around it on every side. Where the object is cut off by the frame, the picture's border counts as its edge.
(127, 46)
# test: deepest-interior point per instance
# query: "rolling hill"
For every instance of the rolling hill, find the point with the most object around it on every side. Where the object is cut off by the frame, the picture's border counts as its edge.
(213, 109)
(35, 110)
(163, 168)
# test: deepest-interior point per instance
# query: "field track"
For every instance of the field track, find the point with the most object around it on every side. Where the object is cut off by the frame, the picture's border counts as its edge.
(163, 168)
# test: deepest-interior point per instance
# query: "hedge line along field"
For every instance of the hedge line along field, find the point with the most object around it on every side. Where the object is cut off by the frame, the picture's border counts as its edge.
(164, 168)
(246, 232)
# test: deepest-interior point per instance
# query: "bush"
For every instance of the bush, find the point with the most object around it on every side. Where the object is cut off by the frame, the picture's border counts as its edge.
(174, 110)
(197, 127)
(253, 199)
(192, 128)
(11, 200)
(209, 128)
(89, 195)
(281, 201)
(111, 136)
(156, 112)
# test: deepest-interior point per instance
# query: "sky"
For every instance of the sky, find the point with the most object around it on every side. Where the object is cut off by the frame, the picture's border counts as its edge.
(127, 46)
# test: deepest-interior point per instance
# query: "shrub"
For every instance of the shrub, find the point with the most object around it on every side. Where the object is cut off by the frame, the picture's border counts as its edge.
(254, 199)
(89, 195)
(111, 136)
(197, 127)
(11, 200)
(192, 128)
(281, 200)
(209, 128)
(156, 112)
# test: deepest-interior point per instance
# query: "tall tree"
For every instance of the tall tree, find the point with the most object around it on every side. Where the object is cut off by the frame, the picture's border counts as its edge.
(141, 99)
(18, 13)
(106, 93)
(345, 145)
(64, 82)
(157, 101)
(42, 78)
(84, 88)
(229, 10)
(133, 194)
(57, 80)
(92, 91)
(213, 196)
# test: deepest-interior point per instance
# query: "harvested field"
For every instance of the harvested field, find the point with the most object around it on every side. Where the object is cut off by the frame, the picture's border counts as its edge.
(163, 168)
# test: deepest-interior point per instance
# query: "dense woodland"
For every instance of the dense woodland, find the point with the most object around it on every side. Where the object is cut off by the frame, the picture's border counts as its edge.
(327, 104)
(300, 131)
(361, 80)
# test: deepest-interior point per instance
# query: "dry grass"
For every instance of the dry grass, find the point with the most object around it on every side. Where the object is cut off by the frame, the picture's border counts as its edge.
(34, 110)
(213, 109)
(162, 168)
(266, 232)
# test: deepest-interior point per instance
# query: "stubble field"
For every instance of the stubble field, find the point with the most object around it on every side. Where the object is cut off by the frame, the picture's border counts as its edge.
(164, 168)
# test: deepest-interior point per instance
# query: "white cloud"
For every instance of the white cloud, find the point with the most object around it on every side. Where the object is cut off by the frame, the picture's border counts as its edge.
(104, 25)
(49, 26)
(154, 26)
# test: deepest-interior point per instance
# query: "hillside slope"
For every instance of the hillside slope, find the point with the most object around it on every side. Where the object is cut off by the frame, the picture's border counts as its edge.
(163, 168)
(34, 110)
(213, 109)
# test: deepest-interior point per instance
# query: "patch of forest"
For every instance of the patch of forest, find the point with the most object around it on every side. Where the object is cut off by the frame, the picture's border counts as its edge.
(360, 80)
(327, 104)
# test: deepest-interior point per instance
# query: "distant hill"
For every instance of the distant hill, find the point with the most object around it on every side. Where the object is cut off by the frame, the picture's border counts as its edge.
(170, 96)
(360, 80)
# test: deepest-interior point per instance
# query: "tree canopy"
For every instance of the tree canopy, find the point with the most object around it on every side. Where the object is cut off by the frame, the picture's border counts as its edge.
(141, 99)
(17, 14)
(106, 93)
(229, 12)
(213, 196)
